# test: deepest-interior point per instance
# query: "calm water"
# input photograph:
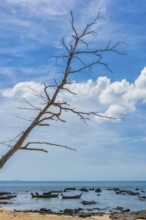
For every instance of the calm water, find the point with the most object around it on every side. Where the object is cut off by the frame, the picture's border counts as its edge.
(107, 199)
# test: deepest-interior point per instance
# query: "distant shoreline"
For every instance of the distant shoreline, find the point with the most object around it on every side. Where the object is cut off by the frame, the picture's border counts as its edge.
(73, 181)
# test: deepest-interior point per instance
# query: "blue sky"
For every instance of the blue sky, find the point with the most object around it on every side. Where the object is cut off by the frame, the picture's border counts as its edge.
(106, 150)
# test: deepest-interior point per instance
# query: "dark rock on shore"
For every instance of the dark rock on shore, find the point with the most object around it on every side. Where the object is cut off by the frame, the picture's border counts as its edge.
(121, 209)
(129, 216)
(123, 215)
(127, 192)
(70, 212)
(84, 190)
(98, 190)
(7, 196)
(124, 192)
(5, 193)
(114, 189)
(88, 202)
(4, 203)
(91, 189)
(142, 198)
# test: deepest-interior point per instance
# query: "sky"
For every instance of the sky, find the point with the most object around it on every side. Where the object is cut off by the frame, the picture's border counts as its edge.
(30, 33)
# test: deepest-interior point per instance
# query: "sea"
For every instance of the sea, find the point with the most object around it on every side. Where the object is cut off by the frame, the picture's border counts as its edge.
(107, 200)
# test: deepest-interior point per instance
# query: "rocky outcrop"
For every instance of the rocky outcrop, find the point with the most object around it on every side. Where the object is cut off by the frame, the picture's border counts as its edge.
(129, 216)
(124, 192)
(70, 212)
(88, 202)
(98, 190)
(84, 189)
(6, 195)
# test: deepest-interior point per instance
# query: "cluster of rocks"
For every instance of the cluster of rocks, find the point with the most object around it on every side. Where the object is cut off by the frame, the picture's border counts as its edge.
(142, 198)
(129, 215)
(88, 202)
(119, 191)
(120, 213)
(97, 190)
(68, 212)
(120, 209)
(138, 192)
(6, 196)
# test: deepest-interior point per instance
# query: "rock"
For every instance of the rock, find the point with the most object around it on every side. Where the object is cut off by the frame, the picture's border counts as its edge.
(84, 190)
(6, 197)
(71, 212)
(4, 203)
(126, 210)
(91, 189)
(142, 197)
(44, 210)
(85, 215)
(98, 190)
(5, 193)
(119, 208)
(88, 202)
(125, 192)
(129, 216)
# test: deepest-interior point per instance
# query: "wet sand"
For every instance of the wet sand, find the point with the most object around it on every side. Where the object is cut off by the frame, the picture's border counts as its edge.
(6, 214)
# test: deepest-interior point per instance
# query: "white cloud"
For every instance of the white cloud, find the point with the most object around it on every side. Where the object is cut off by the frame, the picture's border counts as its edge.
(23, 89)
(111, 98)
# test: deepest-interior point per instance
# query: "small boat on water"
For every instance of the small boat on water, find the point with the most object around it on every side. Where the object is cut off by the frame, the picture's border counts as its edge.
(71, 196)
(44, 195)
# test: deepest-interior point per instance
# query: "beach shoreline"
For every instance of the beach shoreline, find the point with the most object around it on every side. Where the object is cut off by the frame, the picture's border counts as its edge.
(7, 214)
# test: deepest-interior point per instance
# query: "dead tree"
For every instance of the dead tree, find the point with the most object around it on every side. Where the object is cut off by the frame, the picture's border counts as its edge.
(75, 51)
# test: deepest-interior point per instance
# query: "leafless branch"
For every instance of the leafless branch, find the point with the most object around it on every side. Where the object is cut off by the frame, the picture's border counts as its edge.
(86, 115)
(34, 149)
(91, 65)
(68, 90)
(64, 44)
(30, 104)
(46, 93)
(25, 119)
(72, 24)
(47, 143)
(87, 30)
(43, 125)
(29, 109)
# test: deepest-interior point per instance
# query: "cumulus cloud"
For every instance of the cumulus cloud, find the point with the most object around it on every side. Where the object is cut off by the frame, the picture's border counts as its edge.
(111, 98)
(23, 89)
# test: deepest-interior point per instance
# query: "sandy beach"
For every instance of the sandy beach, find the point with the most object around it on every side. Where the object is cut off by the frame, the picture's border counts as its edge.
(6, 214)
